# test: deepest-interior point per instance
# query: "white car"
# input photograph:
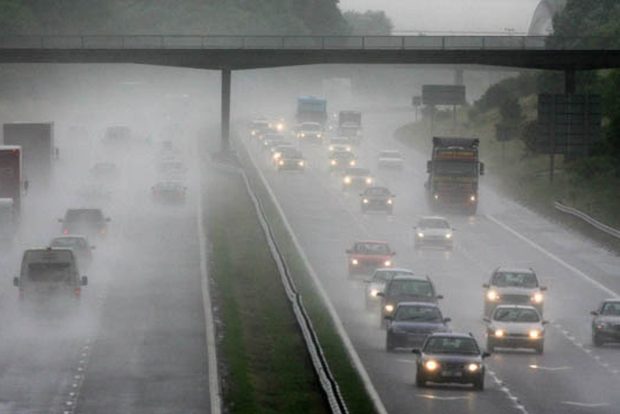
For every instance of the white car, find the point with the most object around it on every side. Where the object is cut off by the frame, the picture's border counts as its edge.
(390, 159)
(515, 326)
(434, 231)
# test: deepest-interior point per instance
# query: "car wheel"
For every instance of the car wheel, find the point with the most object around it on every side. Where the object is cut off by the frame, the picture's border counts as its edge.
(479, 383)
(490, 346)
(596, 340)
(420, 381)
(540, 348)
(389, 346)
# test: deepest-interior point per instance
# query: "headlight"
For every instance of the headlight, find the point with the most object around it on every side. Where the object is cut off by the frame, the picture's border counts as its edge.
(420, 235)
(492, 295)
(472, 198)
(333, 162)
(448, 235)
(389, 308)
(473, 367)
(431, 365)
(277, 155)
(253, 133)
(331, 147)
(319, 135)
(436, 196)
(538, 297)
(301, 163)
(389, 201)
(373, 292)
(534, 334)
(603, 325)
(281, 162)
(352, 163)
(348, 149)
(365, 201)
(499, 333)
(303, 135)
(368, 180)
(347, 180)
(387, 263)
(354, 262)
(280, 127)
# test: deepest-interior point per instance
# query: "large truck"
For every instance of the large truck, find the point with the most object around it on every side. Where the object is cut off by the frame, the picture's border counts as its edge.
(11, 181)
(37, 143)
(350, 125)
(311, 109)
(453, 174)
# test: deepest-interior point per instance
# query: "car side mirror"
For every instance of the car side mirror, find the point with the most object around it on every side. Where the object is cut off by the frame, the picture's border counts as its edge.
(16, 281)
(486, 285)
(446, 320)
(429, 166)
(84, 280)
(487, 320)
(545, 322)
(486, 354)
(439, 296)
(543, 288)
(594, 313)
(416, 351)
(381, 294)
(481, 168)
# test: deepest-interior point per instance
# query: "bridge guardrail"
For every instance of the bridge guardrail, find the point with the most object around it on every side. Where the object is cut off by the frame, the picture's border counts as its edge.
(583, 216)
(420, 42)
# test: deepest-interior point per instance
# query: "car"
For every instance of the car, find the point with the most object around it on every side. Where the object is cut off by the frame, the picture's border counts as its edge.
(515, 326)
(50, 278)
(368, 255)
(411, 323)
(340, 160)
(117, 135)
(434, 231)
(258, 127)
(104, 170)
(272, 140)
(340, 144)
(169, 192)
(514, 286)
(79, 244)
(378, 280)
(310, 132)
(390, 159)
(377, 199)
(407, 288)
(276, 152)
(87, 221)
(453, 358)
(353, 132)
(356, 178)
(606, 322)
(291, 159)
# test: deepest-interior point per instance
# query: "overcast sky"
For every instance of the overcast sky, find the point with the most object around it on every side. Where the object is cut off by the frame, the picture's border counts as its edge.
(451, 15)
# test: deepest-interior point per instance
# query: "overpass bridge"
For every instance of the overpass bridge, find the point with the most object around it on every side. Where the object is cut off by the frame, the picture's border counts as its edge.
(228, 53)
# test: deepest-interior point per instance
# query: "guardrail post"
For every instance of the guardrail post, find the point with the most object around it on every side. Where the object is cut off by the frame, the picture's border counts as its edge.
(225, 120)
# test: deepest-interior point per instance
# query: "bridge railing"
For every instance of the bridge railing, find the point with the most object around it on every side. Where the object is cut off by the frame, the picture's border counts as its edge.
(310, 42)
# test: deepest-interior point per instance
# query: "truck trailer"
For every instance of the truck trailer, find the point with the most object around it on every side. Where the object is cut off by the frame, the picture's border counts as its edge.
(37, 143)
(311, 109)
(11, 181)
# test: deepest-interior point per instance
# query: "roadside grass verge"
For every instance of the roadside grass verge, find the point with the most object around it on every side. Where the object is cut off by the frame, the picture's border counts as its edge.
(265, 365)
(349, 382)
(525, 178)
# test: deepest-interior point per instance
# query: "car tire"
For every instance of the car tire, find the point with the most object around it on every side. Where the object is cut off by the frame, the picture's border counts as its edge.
(540, 348)
(597, 341)
(479, 383)
(420, 381)
(490, 345)
(389, 346)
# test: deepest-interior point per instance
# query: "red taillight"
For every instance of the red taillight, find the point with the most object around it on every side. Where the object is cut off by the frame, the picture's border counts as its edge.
(78, 292)
(65, 231)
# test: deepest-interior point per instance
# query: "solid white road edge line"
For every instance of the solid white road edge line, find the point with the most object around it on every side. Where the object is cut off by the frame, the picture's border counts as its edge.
(357, 362)
(552, 256)
(214, 383)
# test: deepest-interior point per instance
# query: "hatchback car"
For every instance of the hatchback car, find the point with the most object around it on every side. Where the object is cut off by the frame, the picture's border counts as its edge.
(434, 231)
(356, 178)
(341, 160)
(453, 358)
(310, 132)
(378, 281)
(377, 199)
(78, 244)
(87, 221)
(515, 326)
(290, 159)
(514, 286)
(368, 255)
(407, 288)
(412, 323)
(340, 144)
(606, 322)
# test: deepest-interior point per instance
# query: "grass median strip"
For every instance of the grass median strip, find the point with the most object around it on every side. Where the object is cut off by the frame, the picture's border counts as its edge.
(266, 366)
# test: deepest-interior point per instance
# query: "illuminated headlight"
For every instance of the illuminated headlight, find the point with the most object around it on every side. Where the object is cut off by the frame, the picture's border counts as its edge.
(389, 308)
(333, 162)
(348, 149)
(302, 135)
(448, 235)
(277, 155)
(374, 292)
(387, 263)
(368, 180)
(534, 334)
(538, 297)
(331, 147)
(603, 325)
(354, 262)
(280, 127)
(389, 201)
(301, 163)
(473, 367)
(281, 162)
(253, 133)
(431, 365)
(492, 295)
(436, 196)
(499, 333)
(352, 163)
(319, 135)
(365, 201)
(347, 180)
(420, 235)
(472, 198)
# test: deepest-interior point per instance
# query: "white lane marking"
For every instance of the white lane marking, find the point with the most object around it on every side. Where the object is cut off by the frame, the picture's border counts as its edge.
(552, 256)
(588, 405)
(408, 361)
(214, 383)
(515, 400)
(541, 368)
(437, 398)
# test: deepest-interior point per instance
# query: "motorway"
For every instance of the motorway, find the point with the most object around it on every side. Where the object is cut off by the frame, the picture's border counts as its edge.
(138, 344)
(571, 376)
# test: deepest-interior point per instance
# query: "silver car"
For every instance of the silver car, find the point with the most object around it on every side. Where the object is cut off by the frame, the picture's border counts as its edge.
(514, 286)
(434, 231)
(515, 326)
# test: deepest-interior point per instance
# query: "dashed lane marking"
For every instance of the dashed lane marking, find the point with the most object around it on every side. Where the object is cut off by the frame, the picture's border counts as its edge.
(586, 405)
(438, 398)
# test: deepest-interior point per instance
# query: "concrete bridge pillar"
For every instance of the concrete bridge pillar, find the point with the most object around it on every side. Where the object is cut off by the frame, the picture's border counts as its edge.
(225, 120)
(459, 77)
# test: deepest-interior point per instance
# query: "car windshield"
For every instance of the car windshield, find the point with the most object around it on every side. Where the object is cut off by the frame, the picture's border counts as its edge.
(377, 191)
(514, 279)
(433, 224)
(372, 248)
(359, 172)
(429, 314)
(84, 215)
(342, 154)
(68, 242)
(386, 275)
(289, 152)
(49, 272)
(516, 315)
(611, 309)
(418, 288)
(451, 345)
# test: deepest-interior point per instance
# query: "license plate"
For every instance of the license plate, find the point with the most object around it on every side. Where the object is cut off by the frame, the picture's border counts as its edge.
(451, 374)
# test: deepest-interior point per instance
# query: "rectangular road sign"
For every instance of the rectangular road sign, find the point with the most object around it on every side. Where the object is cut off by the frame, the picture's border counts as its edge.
(443, 94)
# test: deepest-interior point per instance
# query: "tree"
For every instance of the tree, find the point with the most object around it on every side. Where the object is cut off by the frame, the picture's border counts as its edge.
(369, 23)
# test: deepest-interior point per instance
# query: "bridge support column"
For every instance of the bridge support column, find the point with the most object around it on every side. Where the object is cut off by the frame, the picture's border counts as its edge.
(459, 77)
(225, 120)
(570, 82)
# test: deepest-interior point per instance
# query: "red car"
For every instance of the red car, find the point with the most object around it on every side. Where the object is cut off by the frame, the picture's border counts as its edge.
(368, 255)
